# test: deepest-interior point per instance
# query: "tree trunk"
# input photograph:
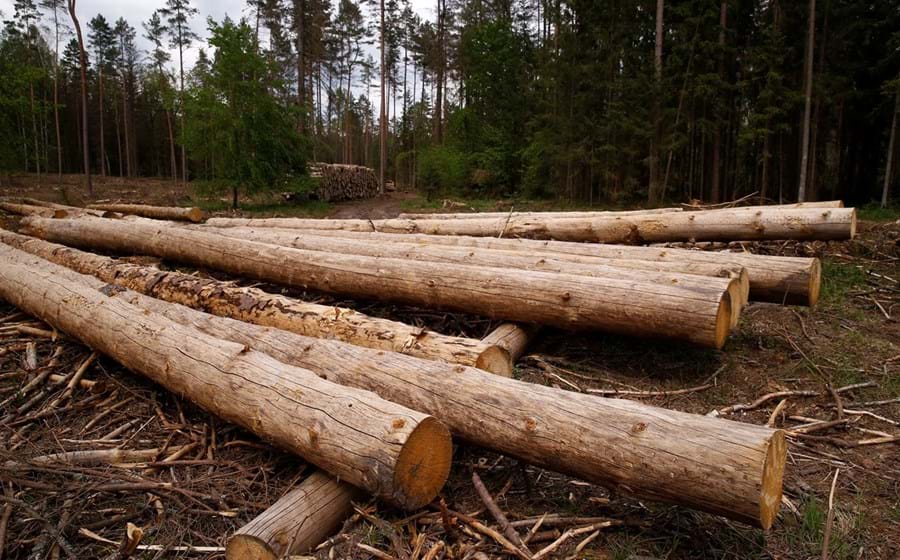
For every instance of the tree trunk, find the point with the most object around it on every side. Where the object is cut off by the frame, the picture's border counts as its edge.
(172, 146)
(712, 464)
(29, 210)
(793, 280)
(297, 523)
(889, 164)
(82, 62)
(262, 308)
(734, 224)
(715, 188)
(59, 166)
(396, 453)
(561, 300)
(192, 214)
(807, 108)
(439, 78)
(103, 158)
(382, 117)
(512, 337)
(654, 190)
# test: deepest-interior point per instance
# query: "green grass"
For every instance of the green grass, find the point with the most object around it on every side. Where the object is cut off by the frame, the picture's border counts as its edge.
(496, 204)
(308, 208)
(838, 279)
(875, 213)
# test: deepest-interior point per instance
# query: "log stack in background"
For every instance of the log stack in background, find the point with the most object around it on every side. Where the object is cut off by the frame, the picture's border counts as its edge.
(339, 181)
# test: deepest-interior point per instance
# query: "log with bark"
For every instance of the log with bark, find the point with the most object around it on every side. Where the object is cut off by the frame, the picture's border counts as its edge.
(732, 224)
(734, 280)
(257, 306)
(177, 213)
(712, 464)
(792, 280)
(73, 210)
(396, 453)
(631, 307)
(512, 337)
(31, 210)
(344, 182)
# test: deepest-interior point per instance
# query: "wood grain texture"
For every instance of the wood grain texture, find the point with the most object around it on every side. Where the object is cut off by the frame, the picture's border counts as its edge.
(621, 306)
(396, 453)
(192, 214)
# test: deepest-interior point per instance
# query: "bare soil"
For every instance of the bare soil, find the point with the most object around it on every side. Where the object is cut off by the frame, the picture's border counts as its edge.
(851, 338)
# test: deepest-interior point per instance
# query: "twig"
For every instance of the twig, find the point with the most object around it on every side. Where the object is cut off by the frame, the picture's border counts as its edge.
(870, 415)
(773, 418)
(4, 523)
(650, 393)
(498, 515)
(587, 540)
(485, 530)
(572, 533)
(826, 541)
(534, 529)
(374, 552)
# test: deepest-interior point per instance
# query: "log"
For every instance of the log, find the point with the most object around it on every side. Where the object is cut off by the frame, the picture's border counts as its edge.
(30, 210)
(792, 280)
(344, 181)
(396, 453)
(573, 214)
(512, 337)
(562, 300)
(73, 210)
(735, 281)
(297, 523)
(262, 308)
(192, 214)
(732, 224)
(712, 464)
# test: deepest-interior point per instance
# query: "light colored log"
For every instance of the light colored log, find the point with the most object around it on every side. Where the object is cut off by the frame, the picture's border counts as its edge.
(562, 300)
(572, 214)
(297, 523)
(73, 210)
(30, 210)
(735, 281)
(712, 464)
(396, 453)
(818, 204)
(262, 308)
(513, 337)
(192, 214)
(733, 224)
(792, 280)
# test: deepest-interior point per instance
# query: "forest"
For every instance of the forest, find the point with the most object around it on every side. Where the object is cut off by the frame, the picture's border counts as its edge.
(610, 102)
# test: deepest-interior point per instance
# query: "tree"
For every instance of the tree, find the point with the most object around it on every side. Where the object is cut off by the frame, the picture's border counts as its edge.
(104, 47)
(82, 60)
(382, 117)
(889, 158)
(252, 136)
(807, 108)
(178, 13)
(154, 30)
(127, 56)
(55, 7)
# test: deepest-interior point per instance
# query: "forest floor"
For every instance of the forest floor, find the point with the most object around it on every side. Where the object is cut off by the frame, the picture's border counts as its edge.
(228, 476)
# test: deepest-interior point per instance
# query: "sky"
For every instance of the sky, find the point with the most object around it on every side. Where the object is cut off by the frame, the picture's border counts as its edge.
(138, 11)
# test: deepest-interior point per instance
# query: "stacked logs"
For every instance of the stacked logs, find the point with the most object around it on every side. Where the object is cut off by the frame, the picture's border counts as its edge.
(344, 181)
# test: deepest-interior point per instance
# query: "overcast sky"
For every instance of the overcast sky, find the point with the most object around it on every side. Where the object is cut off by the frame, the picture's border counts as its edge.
(138, 11)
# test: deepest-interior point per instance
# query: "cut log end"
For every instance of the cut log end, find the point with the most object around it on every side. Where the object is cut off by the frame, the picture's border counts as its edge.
(815, 282)
(195, 215)
(853, 223)
(248, 547)
(772, 478)
(495, 360)
(736, 297)
(424, 464)
(60, 214)
(724, 318)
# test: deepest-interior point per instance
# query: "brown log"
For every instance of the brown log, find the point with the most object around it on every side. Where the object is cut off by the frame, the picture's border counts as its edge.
(262, 308)
(73, 210)
(193, 214)
(396, 453)
(732, 224)
(512, 337)
(573, 214)
(792, 280)
(30, 210)
(298, 522)
(712, 464)
(562, 300)
(735, 281)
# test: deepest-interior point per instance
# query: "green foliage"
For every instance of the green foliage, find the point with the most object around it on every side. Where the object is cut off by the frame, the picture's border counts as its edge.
(236, 123)
(442, 168)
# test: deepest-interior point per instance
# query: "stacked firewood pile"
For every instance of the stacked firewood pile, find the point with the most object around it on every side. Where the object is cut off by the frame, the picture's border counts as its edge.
(373, 402)
(338, 181)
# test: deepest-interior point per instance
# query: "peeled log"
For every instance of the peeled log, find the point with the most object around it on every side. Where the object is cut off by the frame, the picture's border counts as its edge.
(733, 224)
(73, 210)
(574, 214)
(262, 308)
(157, 212)
(712, 464)
(735, 282)
(295, 524)
(30, 210)
(792, 280)
(396, 453)
(512, 337)
(563, 300)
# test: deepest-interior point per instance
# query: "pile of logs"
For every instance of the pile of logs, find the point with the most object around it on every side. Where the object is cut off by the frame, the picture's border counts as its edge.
(339, 181)
(374, 402)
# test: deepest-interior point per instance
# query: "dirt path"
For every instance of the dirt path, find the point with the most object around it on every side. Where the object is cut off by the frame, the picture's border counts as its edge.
(387, 206)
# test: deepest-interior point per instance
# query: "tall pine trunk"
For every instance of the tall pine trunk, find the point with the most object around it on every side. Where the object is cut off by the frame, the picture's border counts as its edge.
(889, 164)
(654, 191)
(383, 118)
(102, 135)
(82, 61)
(807, 109)
(715, 187)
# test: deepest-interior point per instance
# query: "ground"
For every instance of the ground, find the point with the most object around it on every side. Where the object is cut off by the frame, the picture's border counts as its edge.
(227, 476)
